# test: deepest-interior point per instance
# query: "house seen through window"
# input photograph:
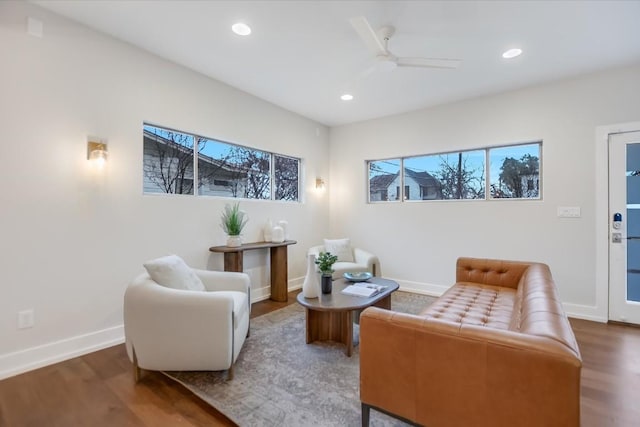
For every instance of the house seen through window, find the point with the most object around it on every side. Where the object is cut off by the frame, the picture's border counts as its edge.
(222, 169)
(513, 172)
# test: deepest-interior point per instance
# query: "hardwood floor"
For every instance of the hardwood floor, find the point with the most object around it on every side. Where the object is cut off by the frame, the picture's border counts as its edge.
(610, 384)
(98, 389)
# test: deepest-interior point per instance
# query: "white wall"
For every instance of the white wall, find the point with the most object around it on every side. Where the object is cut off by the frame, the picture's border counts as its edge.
(72, 238)
(419, 242)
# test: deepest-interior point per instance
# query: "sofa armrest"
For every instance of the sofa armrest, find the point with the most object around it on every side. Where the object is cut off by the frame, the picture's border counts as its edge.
(429, 371)
(315, 250)
(363, 257)
(224, 280)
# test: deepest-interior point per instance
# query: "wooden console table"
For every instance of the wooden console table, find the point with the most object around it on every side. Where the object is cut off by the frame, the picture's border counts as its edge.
(279, 280)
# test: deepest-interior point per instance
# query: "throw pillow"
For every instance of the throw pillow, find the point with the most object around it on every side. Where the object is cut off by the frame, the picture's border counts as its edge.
(171, 271)
(340, 248)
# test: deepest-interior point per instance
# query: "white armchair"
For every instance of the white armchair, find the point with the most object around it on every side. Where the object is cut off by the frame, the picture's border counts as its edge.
(362, 260)
(187, 330)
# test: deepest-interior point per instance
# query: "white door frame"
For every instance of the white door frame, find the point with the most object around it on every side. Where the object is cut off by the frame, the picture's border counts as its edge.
(602, 213)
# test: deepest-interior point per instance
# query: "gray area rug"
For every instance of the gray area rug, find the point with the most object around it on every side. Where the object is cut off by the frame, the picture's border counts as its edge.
(282, 381)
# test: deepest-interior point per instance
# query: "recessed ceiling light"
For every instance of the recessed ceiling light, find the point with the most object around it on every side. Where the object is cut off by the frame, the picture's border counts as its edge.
(512, 53)
(241, 29)
(346, 97)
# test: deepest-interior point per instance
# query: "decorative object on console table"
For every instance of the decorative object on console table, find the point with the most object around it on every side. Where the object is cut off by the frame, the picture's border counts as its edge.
(310, 285)
(233, 221)
(325, 263)
(278, 234)
(268, 231)
(285, 228)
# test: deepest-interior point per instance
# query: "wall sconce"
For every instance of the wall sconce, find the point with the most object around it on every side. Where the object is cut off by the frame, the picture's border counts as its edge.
(97, 152)
(319, 184)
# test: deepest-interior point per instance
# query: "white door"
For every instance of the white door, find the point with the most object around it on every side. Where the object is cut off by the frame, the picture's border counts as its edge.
(624, 227)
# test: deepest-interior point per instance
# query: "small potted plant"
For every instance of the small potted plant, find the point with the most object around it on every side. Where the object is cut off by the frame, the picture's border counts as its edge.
(233, 221)
(325, 263)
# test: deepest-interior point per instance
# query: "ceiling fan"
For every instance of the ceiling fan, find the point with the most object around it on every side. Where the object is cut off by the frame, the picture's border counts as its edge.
(377, 42)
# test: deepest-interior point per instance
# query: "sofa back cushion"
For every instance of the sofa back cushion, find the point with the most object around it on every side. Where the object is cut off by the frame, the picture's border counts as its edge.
(340, 248)
(490, 271)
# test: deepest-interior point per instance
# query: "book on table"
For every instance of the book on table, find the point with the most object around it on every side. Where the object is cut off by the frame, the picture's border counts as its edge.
(363, 289)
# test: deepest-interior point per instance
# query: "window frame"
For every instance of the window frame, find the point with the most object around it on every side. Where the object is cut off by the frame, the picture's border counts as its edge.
(487, 175)
(196, 176)
(540, 144)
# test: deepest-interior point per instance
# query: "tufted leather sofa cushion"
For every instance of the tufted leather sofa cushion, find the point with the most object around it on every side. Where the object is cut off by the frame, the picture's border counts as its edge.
(473, 304)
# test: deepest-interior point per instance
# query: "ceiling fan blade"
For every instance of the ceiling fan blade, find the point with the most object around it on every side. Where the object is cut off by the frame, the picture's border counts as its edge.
(429, 62)
(368, 36)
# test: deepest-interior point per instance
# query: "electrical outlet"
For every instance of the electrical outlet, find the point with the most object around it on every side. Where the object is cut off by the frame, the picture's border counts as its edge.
(25, 319)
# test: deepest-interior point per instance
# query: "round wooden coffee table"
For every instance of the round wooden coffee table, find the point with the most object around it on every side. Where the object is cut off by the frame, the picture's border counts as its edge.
(330, 316)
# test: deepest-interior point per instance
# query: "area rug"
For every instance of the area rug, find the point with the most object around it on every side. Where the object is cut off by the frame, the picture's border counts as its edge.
(282, 381)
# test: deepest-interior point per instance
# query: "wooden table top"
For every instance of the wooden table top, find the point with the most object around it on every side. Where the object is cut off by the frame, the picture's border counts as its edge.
(250, 246)
(337, 301)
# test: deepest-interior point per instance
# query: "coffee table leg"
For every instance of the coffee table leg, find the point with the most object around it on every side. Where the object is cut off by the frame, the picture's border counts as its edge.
(384, 303)
(347, 331)
(307, 316)
(330, 326)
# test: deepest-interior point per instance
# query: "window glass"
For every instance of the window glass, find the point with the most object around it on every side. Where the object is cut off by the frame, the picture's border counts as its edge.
(217, 174)
(515, 172)
(286, 178)
(384, 180)
(168, 161)
(458, 175)
(232, 171)
(256, 167)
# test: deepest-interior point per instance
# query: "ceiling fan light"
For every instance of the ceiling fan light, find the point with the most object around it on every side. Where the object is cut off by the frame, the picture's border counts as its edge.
(241, 29)
(386, 64)
(512, 53)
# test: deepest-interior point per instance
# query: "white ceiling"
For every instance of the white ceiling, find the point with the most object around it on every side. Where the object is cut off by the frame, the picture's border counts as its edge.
(302, 55)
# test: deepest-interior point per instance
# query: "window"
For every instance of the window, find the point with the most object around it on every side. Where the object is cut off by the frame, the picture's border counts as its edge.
(223, 169)
(167, 162)
(458, 175)
(513, 172)
(287, 172)
(384, 180)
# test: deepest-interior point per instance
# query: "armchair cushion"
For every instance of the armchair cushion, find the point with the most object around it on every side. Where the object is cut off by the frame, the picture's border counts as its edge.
(340, 248)
(171, 271)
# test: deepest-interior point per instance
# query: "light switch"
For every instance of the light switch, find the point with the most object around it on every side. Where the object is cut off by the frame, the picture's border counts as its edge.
(569, 211)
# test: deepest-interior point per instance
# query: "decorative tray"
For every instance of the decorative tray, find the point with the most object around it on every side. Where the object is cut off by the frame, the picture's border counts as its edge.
(358, 277)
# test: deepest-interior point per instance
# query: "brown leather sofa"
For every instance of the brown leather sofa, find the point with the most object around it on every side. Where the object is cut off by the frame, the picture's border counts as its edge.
(496, 349)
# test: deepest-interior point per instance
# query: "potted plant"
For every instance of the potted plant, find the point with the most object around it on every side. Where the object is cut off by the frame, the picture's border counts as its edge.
(325, 263)
(233, 221)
